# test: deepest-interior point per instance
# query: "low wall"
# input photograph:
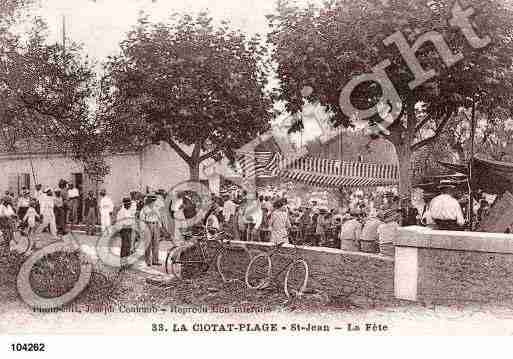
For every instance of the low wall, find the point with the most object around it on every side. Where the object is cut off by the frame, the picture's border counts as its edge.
(369, 277)
(453, 267)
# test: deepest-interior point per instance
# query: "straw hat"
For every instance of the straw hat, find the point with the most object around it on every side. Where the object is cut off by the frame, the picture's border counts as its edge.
(446, 184)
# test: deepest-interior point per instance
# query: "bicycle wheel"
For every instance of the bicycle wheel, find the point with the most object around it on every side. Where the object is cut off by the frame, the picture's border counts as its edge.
(231, 263)
(186, 262)
(258, 274)
(296, 278)
(173, 265)
(21, 244)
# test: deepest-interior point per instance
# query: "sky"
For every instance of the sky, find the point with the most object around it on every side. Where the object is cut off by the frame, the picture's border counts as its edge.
(102, 24)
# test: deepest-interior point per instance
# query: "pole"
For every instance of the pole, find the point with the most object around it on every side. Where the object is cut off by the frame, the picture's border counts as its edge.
(471, 163)
(64, 41)
(63, 33)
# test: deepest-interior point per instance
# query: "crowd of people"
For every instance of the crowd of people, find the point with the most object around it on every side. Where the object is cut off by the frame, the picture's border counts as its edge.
(364, 221)
(34, 212)
(363, 218)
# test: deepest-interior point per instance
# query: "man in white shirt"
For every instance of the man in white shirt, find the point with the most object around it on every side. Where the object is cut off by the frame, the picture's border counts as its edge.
(151, 219)
(47, 203)
(125, 220)
(350, 232)
(229, 208)
(73, 197)
(445, 211)
(106, 209)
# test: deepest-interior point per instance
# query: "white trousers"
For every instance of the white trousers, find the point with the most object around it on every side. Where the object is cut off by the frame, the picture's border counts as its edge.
(48, 220)
(104, 220)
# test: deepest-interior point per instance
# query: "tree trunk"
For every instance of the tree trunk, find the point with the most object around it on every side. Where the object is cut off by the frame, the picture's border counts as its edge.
(194, 169)
(404, 155)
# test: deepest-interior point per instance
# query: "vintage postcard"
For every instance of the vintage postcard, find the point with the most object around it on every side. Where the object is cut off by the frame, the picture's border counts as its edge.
(273, 167)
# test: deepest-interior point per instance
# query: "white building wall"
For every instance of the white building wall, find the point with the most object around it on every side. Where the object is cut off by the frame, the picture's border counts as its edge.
(164, 168)
(156, 167)
(48, 169)
(124, 176)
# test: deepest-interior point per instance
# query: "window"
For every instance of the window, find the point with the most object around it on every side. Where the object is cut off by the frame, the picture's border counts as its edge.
(16, 181)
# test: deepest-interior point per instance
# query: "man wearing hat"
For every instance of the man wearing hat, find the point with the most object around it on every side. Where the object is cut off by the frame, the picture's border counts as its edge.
(23, 205)
(229, 209)
(388, 231)
(150, 216)
(90, 213)
(47, 204)
(38, 193)
(106, 209)
(369, 236)
(350, 232)
(445, 210)
(125, 219)
(279, 222)
(60, 218)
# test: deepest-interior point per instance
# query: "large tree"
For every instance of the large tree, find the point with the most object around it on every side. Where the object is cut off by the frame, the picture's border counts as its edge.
(198, 87)
(46, 92)
(328, 47)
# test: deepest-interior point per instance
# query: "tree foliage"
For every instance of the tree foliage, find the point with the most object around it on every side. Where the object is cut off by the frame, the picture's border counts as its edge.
(325, 47)
(187, 83)
(46, 93)
(493, 137)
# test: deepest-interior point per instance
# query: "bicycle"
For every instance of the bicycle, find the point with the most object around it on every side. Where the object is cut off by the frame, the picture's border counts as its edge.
(19, 242)
(259, 272)
(195, 258)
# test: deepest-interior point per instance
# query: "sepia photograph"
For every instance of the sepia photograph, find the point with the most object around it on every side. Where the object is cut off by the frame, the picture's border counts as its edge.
(326, 168)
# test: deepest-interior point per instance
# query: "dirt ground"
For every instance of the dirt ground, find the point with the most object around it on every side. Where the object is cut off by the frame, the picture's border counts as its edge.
(131, 288)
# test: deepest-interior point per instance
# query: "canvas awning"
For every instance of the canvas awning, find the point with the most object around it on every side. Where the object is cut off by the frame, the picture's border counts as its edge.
(489, 175)
(323, 172)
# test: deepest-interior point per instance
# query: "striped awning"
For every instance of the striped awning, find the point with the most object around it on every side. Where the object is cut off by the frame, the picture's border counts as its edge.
(259, 163)
(323, 172)
(319, 172)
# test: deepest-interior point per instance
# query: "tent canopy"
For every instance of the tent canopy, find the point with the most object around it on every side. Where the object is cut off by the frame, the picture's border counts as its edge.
(325, 172)
(489, 175)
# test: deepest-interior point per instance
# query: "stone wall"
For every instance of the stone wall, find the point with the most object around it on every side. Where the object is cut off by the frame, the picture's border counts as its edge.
(447, 267)
(337, 273)
(448, 277)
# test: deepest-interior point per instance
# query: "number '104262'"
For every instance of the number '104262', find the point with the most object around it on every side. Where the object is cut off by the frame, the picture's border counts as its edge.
(28, 347)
